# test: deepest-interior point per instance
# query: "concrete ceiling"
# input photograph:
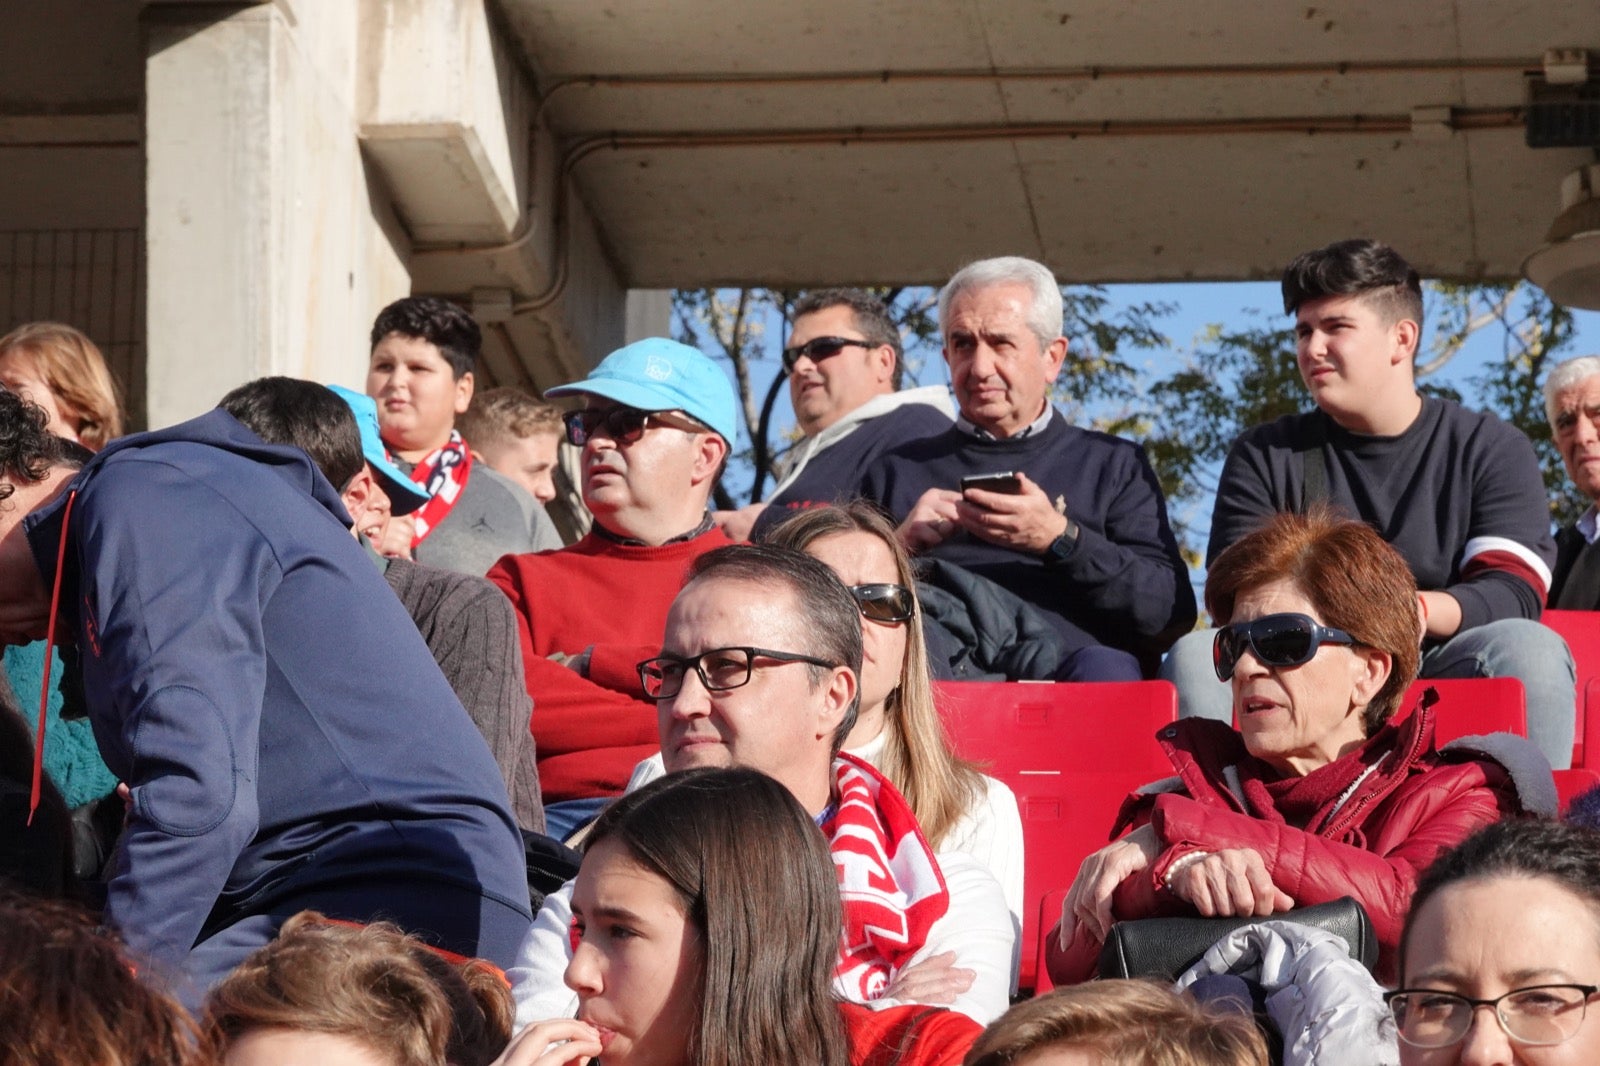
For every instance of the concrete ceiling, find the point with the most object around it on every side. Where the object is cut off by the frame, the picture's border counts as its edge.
(722, 141)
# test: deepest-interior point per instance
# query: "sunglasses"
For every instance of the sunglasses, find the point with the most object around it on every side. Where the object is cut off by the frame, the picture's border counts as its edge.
(884, 603)
(1275, 640)
(625, 425)
(818, 349)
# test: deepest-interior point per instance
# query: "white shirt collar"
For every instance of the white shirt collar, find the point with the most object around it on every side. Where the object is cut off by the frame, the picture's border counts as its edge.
(1036, 426)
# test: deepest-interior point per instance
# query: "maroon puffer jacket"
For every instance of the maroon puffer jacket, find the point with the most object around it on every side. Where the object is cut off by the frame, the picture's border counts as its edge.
(1416, 803)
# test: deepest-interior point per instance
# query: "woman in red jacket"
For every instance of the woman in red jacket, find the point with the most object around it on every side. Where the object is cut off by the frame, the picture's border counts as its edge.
(1320, 792)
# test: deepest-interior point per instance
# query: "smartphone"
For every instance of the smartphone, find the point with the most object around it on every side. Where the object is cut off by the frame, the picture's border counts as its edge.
(1006, 481)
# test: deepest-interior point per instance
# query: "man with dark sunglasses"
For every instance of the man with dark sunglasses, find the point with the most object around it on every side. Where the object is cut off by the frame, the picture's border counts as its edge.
(845, 365)
(654, 429)
(1457, 493)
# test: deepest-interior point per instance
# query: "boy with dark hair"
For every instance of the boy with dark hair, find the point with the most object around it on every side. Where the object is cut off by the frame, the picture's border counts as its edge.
(286, 737)
(421, 375)
(467, 623)
(1458, 493)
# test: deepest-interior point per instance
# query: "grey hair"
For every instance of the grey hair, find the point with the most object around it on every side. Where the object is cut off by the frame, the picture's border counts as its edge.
(1563, 377)
(1045, 309)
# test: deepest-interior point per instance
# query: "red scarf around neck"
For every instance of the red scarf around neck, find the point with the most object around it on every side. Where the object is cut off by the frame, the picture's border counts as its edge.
(443, 473)
(890, 883)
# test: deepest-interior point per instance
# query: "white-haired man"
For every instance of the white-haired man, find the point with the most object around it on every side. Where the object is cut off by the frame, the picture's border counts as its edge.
(1572, 404)
(1081, 530)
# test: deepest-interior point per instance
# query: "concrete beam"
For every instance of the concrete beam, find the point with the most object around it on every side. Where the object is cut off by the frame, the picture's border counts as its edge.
(267, 246)
(444, 113)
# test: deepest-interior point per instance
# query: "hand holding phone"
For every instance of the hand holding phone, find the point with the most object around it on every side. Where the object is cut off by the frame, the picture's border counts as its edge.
(1005, 481)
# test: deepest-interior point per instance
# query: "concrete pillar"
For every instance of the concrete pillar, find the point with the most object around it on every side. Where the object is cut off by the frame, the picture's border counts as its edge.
(268, 248)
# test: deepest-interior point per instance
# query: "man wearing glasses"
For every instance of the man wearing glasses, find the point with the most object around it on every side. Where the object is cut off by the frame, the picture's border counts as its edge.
(656, 424)
(758, 667)
(845, 365)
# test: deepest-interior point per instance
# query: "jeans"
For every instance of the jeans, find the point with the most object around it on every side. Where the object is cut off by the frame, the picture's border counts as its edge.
(565, 817)
(1511, 647)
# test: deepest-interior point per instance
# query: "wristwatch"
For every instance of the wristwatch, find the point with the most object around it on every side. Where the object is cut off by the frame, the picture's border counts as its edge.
(1062, 546)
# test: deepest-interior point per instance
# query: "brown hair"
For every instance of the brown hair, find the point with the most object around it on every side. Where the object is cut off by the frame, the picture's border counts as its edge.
(496, 415)
(76, 374)
(69, 997)
(1356, 581)
(373, 984)
(758, 884)
(917, 753)
(1127, 1023)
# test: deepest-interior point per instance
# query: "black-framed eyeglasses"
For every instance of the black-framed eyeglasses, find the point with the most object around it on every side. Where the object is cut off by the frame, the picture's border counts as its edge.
(819, 348)
(1539, 1014)
(1276, 640)
(625, 425)
(720, 669)
(884, 603)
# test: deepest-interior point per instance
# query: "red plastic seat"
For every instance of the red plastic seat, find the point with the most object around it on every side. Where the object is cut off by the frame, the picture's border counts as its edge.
(1581, 630)
(1049, 914)
(1470, 706)
(1573, 783)
(1071, 753)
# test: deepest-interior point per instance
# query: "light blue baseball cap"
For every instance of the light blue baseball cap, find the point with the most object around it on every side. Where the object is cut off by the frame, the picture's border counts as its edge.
(657, 374)
(405, 495)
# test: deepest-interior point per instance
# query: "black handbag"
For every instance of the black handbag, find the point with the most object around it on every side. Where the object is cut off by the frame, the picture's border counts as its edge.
(1165, 947)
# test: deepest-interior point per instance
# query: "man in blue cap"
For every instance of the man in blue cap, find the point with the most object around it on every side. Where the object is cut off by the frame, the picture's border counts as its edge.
(657, 423)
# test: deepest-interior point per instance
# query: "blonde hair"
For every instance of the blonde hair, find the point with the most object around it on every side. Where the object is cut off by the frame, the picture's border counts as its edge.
(372, 984)
(917, 754)
(499, 416)
(76, 374)
(1126, 1023)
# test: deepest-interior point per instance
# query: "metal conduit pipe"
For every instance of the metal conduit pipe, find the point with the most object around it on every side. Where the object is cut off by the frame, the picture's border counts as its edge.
(1092, 73)
(578, 151)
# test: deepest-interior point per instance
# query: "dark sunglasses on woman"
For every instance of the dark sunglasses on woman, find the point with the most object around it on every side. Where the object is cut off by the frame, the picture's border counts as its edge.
(1276, 640)
(883, 603)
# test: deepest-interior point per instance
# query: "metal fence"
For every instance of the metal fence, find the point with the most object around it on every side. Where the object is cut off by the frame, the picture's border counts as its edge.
(89, 278)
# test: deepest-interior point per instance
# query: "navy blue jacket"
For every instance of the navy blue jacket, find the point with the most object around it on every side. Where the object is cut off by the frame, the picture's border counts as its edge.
(286, 734)
(1122, 584)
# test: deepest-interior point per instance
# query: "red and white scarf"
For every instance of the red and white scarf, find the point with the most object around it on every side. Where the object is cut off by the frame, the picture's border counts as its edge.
(891, 885)
(444, 474)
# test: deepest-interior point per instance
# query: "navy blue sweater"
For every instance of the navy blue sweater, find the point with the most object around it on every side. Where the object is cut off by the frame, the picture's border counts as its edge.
(284, 729)
(1123, 584)
(833, 473)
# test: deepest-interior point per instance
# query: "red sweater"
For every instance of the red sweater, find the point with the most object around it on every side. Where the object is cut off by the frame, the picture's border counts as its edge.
(909, 1035)
(613, 598)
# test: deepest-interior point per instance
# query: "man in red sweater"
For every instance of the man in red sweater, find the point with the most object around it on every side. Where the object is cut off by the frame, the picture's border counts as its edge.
(658, 421)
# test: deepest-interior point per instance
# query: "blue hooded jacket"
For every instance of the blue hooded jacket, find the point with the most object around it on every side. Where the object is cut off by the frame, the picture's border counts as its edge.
(286, 734)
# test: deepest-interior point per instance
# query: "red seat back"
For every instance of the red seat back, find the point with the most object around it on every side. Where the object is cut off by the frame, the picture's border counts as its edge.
(1581, 631)
(1071, 753)
(1573, 783)
(1471, 706)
